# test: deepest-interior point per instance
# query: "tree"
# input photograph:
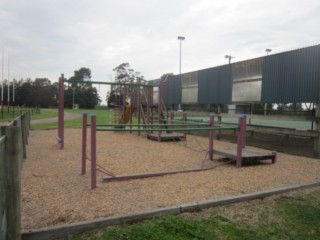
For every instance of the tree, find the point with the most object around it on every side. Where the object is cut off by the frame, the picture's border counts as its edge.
(43, 93)
(124, 74)
(79, 93)
(39, 92)
(83, 74)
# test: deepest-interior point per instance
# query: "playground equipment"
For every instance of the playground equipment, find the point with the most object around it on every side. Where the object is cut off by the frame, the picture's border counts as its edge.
(238, 155)
(136, 97)
(155, 130)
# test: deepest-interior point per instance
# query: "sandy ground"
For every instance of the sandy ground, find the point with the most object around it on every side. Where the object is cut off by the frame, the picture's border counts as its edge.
(55, 193)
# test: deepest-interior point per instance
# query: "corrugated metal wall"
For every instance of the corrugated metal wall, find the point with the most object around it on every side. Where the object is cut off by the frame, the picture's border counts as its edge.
(190, 87)
(247, 77)
(215, 85)
(292, 77)
(289, 77)
(172, 90)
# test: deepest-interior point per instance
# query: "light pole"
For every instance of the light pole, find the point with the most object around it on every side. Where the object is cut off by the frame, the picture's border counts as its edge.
(180, 38)
(229, 58)
(268, 50)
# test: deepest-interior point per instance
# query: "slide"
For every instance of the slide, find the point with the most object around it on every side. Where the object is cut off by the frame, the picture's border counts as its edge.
(124, 119)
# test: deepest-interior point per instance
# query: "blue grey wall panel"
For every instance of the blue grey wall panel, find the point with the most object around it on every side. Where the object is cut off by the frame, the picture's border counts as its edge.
(292, 77)
(215, 85)
(172, 90)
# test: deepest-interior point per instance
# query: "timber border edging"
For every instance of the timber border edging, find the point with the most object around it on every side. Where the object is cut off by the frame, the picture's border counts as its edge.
(79, 227)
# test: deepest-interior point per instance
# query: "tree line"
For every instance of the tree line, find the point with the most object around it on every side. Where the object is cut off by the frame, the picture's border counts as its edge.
(43, 93)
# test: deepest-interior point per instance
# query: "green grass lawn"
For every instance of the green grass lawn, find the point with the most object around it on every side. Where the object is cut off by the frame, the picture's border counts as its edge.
(290, 216)
(103, 116)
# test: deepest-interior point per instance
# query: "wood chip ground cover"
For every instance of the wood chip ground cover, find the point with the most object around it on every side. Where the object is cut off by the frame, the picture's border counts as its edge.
(55, 193)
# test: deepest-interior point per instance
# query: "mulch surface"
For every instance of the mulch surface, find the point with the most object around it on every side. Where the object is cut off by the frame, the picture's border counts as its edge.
(55, 193)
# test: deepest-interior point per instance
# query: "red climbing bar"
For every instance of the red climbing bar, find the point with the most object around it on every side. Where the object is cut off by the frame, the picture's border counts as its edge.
(93, 152)
(61, 112)
(84, 143)
(160, 108)
(211, 136)
(244, 129)
(139, 104)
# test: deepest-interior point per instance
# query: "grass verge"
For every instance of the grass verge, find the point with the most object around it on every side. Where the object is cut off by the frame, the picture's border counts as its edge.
(293, 215)
(103, 116)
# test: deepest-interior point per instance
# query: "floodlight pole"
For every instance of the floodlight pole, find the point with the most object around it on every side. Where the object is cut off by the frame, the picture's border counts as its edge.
(8, 84)
(268, 50)
(2, 81)
(180, 38)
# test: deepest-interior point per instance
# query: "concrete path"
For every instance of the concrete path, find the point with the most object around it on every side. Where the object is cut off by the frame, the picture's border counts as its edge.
(67, 116)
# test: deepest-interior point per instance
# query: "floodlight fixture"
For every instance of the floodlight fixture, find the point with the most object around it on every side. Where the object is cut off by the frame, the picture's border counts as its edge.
(229, 58)
(268, 50)
(180, 38)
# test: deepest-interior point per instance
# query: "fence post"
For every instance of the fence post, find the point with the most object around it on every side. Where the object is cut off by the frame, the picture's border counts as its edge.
(93, 152)
(24, 135)
(3, 185)
(20, 123)
(27, 118)
(316, 141)
(13, 158)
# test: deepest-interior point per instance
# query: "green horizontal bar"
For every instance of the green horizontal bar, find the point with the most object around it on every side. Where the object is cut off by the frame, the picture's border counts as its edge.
(113, 83)
(164, 129)
(148, 125)
(217, 122)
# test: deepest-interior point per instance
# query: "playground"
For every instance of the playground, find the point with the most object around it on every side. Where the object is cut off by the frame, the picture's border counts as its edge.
(55, 193)
(92, 173)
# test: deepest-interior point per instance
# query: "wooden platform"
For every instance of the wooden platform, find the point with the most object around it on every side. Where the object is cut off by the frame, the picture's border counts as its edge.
(172, 136)
(247, 154)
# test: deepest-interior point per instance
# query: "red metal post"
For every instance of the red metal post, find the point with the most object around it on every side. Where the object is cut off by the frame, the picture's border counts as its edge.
(151, 106)
(148, 104)
(274, 158)
(244, 140)
(160, 108)
(139, 104)
(211, 136)
(84, 143)
(93, 152)
(61, 111)
(241, 137)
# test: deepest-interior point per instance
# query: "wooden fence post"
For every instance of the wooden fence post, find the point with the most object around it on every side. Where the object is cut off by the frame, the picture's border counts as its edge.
(24, 134)
(316, 141)
(3, 185)
(13, 162)
(19, 122)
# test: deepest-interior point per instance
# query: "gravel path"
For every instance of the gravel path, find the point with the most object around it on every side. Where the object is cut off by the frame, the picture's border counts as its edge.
(67, 116)
(54, 192)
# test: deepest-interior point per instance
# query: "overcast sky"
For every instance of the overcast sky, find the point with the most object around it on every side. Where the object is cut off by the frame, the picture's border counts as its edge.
(45, 38)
